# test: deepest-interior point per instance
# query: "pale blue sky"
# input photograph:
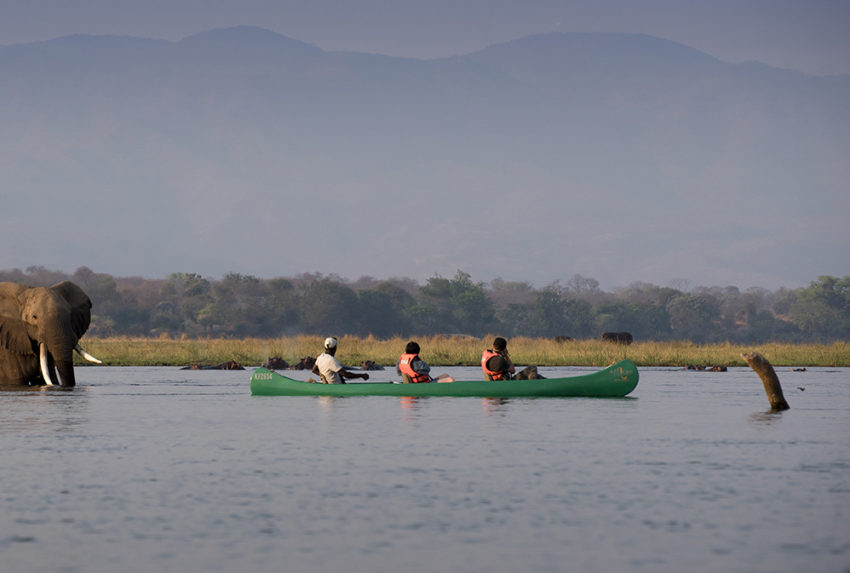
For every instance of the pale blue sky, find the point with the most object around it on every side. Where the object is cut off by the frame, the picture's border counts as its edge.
(806, 35)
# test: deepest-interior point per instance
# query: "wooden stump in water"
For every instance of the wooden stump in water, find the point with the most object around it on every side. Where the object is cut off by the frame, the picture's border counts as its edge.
(768, 377)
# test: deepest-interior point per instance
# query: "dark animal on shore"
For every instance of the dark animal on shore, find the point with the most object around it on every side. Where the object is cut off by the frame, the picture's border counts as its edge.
(370, 365)
(305, 363)
(276, 363)
(618, 337)
(229, 365)
(560, 338)
(40, 328)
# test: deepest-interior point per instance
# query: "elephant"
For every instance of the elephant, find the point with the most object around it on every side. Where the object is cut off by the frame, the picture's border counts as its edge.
(40, 327)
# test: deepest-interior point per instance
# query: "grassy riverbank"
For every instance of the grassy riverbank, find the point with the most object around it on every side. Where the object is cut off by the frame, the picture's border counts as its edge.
(455, 351)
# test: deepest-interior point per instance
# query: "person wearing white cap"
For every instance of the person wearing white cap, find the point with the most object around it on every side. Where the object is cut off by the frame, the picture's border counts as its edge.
(329, 368)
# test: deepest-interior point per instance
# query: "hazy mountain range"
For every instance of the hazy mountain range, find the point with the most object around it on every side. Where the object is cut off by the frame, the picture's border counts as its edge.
(620, 157)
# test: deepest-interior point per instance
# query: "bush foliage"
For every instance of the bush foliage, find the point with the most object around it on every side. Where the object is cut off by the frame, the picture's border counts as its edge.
(190, 305)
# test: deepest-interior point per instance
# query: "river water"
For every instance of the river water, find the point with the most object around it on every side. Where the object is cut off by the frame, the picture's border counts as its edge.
(160, 469)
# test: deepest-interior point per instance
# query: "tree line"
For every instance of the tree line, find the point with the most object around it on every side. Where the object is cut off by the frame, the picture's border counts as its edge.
(237, 305)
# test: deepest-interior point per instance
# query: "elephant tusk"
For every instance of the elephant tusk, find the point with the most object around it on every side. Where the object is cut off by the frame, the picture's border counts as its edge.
(45, 370)
(86, 355)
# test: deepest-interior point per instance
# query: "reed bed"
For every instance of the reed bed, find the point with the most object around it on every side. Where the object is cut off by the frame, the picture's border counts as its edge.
(455, 351)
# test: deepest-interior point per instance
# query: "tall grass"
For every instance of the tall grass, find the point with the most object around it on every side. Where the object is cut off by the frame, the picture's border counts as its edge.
(455, 351)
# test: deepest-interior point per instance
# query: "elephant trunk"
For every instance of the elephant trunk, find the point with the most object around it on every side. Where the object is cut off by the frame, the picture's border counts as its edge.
(59, 355)
(66, 371)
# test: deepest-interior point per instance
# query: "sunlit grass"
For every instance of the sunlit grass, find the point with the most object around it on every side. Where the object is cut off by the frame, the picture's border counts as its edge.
(455, 351)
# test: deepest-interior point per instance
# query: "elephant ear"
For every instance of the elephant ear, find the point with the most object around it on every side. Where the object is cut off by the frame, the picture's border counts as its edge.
(80, 306)
(13, 336)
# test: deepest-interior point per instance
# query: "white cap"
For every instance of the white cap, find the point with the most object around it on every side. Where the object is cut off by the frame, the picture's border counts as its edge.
(330, 342)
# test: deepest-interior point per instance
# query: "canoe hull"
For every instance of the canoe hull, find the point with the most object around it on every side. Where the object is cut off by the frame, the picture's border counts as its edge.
(615, 381)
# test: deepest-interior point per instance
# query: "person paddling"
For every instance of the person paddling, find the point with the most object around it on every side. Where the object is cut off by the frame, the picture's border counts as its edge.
(329, 368)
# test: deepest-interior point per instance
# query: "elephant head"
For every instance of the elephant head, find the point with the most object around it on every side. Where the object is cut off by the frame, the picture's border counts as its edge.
(40, 327)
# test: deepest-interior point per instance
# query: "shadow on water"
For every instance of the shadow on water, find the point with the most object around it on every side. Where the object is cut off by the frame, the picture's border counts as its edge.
(768, 418)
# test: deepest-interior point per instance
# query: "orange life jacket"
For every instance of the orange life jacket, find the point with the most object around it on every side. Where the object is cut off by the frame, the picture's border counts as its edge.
(404, 363)
(485, 357)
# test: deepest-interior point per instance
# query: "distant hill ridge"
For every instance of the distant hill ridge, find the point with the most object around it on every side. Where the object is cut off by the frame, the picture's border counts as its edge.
(229, 122)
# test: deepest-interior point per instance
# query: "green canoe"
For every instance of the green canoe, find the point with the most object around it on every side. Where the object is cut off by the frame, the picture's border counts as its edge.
(617, 380)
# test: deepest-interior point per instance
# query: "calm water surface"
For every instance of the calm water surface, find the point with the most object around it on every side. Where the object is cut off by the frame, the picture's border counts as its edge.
(158, 469)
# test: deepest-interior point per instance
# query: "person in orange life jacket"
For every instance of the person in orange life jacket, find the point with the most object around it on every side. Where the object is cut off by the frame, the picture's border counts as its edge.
(413, 369)
(329, 368)
(496, 363)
